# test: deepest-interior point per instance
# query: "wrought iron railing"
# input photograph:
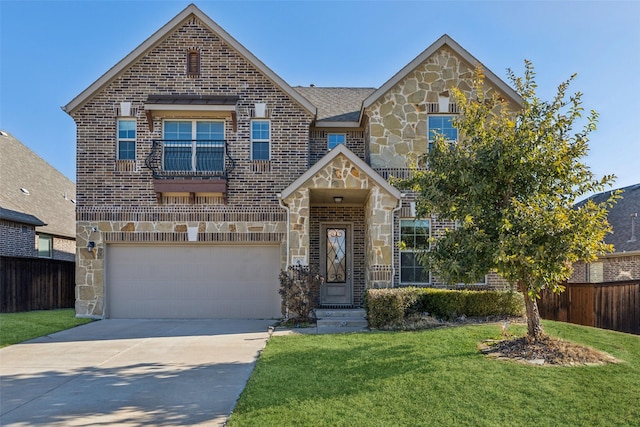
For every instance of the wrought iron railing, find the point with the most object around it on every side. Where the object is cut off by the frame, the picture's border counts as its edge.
(198, 157)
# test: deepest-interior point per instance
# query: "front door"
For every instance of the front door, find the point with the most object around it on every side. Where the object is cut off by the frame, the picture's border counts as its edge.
(336, 264)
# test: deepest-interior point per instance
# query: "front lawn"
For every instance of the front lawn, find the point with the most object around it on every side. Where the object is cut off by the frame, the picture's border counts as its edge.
(19, 327)
(437, 378)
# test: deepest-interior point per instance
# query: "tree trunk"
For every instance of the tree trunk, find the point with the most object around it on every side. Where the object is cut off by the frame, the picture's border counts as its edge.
(534, 327)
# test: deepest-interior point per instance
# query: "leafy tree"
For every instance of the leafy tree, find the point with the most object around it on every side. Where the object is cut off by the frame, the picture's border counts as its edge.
(511, 183)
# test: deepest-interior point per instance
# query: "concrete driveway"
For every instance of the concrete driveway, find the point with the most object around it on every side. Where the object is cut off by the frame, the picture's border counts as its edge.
(130, 373)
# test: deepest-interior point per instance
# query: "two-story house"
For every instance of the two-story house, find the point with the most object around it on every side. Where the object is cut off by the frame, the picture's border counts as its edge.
(201, 174)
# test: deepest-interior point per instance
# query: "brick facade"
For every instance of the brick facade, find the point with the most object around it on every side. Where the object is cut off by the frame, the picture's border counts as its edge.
(17, 239)
(21, 240)
(611, 268)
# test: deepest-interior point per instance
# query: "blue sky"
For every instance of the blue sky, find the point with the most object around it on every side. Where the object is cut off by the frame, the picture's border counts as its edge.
(50, 51)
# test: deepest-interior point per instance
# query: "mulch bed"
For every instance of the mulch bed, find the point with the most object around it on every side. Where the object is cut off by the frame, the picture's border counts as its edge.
(547, 351)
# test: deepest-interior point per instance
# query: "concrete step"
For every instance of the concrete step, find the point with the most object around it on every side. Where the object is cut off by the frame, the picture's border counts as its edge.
(342, 322)
(341, 330)
(322, 313)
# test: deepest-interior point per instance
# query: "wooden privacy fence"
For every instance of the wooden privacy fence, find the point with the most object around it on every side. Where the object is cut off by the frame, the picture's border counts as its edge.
(611, 305)
(36, 284)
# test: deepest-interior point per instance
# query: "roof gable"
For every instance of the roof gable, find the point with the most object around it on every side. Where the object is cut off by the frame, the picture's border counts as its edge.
(160, 35)
(445, 40)
(340, 150)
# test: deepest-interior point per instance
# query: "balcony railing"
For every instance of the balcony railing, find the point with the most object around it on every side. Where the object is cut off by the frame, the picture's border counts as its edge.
(172, 158)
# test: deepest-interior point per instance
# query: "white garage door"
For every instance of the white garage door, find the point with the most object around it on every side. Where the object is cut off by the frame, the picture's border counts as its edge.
(168, 281)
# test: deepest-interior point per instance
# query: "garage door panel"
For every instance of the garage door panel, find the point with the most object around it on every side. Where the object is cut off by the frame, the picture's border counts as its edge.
(147, 281)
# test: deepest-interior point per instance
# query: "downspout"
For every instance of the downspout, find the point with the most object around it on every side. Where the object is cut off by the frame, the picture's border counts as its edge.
(393, 247)
(286, 268)
(286, 208)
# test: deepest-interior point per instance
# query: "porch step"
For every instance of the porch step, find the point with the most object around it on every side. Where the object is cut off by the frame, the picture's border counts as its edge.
(323, 313)
(341, 320)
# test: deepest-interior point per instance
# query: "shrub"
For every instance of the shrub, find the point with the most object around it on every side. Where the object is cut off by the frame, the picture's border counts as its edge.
(299, 289)
(390, 307)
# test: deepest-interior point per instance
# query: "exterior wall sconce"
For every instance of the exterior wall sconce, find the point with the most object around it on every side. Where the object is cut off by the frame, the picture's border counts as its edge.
(90, 246)
(337, 199)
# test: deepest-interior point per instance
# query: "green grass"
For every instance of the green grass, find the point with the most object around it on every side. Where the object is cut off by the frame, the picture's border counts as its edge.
(437, 378)
(19, 327)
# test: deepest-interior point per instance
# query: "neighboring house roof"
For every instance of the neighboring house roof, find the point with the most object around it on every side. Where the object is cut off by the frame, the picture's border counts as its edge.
(621, 217)
(336, 104)
(445, 40)
(35, 191)
(159, 36)
(20, 218)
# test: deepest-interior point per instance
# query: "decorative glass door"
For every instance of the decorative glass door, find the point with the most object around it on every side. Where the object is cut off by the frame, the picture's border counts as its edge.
(336, 264)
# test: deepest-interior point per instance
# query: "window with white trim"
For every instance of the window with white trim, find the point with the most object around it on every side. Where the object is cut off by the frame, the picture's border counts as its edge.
(441, 124)
(126, 139)
(193, 145)
(260, 140)
(333, 139)
(45, 246)
(414, 239)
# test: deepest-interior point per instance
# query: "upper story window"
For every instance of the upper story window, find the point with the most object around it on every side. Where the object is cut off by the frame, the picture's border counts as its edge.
(193, 145)
(45, 246)
(333, 139)
(414, 238)
(193, 63)
(441, 124)
(126, 139)
(260, 140)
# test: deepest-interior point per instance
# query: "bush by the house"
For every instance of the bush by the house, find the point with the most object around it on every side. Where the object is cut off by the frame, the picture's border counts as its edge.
(389, 307)
(299, 289)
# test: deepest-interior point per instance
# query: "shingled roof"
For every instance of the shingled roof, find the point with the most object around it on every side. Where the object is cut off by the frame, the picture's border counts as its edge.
(34, 192)
(620, 218)
(336, 104)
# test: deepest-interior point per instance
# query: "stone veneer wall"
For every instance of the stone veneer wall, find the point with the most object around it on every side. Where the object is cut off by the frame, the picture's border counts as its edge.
(398, 121)
(355, 216)
(342, 173)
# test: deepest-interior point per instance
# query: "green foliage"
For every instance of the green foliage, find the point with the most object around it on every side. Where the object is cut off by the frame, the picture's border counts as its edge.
(390, 307)
(299, 289)
(511, 183)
